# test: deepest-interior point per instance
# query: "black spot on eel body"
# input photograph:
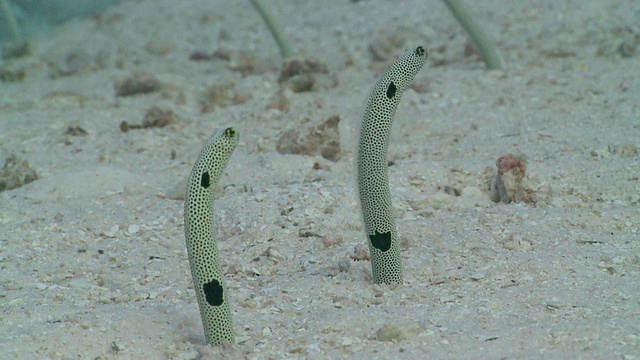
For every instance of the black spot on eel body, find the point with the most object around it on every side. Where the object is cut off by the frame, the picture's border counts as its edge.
(213, 292)
(205, 180)
(391, 90)
(381, 241)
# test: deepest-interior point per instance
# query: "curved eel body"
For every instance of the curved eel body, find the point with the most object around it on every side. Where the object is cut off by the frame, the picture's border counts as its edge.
(373, 177)
(200, 234)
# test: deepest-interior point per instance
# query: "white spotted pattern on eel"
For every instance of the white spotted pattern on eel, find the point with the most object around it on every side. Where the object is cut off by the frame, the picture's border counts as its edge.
(200, 235)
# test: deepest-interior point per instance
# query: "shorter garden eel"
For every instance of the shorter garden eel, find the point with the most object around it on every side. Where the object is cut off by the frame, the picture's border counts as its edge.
(200, 234)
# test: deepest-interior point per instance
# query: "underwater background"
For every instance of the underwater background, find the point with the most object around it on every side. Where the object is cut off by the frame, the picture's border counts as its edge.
(36, 16)
(515, 187)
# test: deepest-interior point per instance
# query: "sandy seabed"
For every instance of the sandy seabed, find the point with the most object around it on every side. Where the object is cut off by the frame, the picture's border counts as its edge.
(93, 263)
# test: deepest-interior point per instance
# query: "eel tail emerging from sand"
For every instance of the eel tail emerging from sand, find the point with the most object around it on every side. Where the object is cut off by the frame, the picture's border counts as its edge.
(373, 177)
(200, 235)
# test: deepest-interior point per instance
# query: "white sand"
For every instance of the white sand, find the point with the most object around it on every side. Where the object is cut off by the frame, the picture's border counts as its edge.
(483, 281)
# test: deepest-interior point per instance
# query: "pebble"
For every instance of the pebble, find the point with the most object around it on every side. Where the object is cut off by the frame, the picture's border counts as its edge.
(477, 276)
(472, 196)
(133, 229)
(344, 264)
(330, 240)
(360, 252)
(448, 298)
(111, 233)
(435, 201)
(177, 191)
(273, 254)
(389, 333)
(41, 286)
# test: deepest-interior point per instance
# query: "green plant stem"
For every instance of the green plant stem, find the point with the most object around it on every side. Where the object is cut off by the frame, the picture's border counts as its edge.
(479, 37)
(8, 23)
(286, 50)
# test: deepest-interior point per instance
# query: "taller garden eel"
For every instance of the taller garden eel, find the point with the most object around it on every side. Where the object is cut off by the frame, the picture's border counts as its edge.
(200, 235)
(373, 174)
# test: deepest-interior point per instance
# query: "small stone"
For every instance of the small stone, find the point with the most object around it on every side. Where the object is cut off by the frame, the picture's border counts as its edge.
(390, 333)
(628, 150)
(436, 201)
(177, 191)
(347, 341)
(117, 346)
(452, 191)
(41, 286)
(137, 84)
(344, 264)
(473, 196)
(111, 233)
(301, 75)
(296, 350)
(217, 96)
(133, 229)
(517, 243)
(15, 173)
(447, 299)
(318, 138)
(273, 254)
(477, 276)
(330, 240)
(159, 117)
(360, 252)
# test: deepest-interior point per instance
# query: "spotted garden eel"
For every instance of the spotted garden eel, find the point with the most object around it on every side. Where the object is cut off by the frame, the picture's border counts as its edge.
(200, 234)
(373, 177)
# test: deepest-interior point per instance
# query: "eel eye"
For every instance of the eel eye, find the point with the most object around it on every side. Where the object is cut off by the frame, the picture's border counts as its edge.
(229, 132)
(420, 51)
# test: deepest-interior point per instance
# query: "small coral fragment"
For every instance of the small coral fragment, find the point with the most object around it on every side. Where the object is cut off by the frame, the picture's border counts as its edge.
(217, 96)
(76, 130)
(137, 84)
(360, 252)
(510, 183)
(391, 333)
(155, 117)
(323, 139)
(159, 117)
(10, 76)
(16, 173)
(15, 50)
(301, 75)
